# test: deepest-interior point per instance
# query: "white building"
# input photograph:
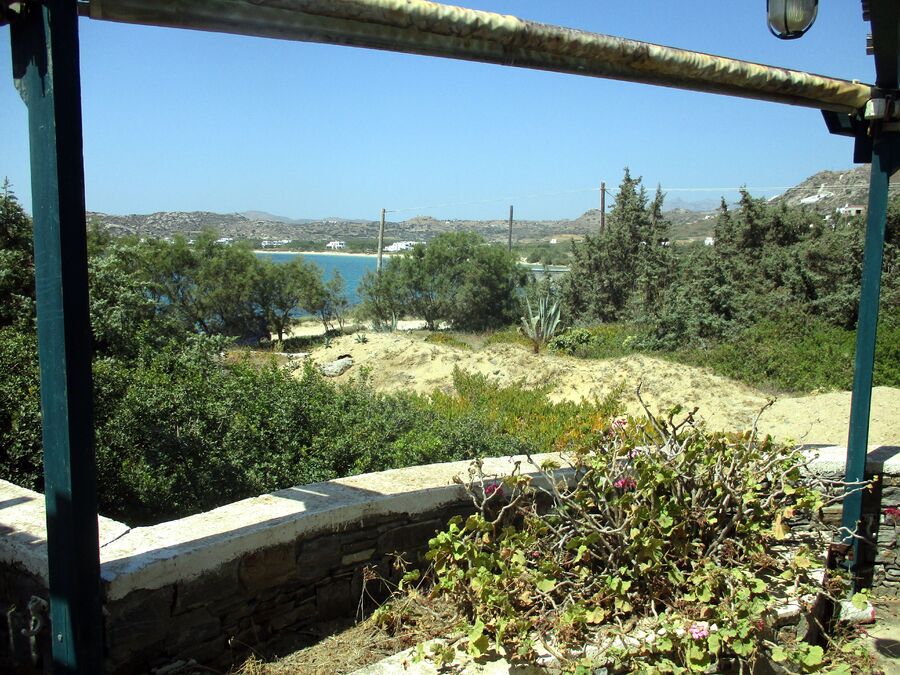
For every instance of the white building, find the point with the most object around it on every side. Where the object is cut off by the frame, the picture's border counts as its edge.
(336, 245)
(398, 246)
(850, 210)
(709, 241)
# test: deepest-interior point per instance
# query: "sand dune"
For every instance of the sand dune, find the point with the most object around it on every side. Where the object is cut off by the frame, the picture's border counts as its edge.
(405, 361)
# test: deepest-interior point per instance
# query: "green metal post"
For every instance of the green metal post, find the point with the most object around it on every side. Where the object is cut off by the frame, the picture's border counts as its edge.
(885, 160)
(46, 68)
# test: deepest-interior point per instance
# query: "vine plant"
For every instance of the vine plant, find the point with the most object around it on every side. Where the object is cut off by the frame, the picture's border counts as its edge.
(653, 546)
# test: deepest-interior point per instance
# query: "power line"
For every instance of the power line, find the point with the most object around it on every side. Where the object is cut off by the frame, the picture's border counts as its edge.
(533, 195)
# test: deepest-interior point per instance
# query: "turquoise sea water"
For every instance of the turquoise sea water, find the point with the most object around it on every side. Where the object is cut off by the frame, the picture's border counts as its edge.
(351, 267)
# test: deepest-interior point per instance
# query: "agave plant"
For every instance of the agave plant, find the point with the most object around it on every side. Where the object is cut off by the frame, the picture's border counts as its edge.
(539, 327)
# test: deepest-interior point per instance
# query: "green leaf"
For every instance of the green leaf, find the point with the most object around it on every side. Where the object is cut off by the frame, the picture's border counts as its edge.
(597, 615)
(582, 550)
(814, 656)
(479, 646)
(743, 647)
(478, 642)
(802, 562)
(546, 585)
(705, 595)
(779, 655)
(860, 601)
(842, 669)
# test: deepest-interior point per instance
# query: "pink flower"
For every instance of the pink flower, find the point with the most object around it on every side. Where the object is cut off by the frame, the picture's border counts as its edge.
(698, 631)
(625, 484)
(493, 488)
(892, 514)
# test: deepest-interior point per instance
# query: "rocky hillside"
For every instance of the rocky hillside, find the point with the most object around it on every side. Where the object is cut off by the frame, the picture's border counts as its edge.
(825, 192)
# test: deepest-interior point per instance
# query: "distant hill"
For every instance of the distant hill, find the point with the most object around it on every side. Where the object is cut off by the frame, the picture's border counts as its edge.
(270, 217)
(823, 192)
(827, 191)
(696, 206)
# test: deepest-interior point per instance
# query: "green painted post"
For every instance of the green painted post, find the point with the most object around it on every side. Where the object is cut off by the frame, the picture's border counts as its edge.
(46, 69)
(885, 160)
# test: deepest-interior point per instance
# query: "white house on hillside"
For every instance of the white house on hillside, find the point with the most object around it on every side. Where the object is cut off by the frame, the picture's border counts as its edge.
(398, 246)
(336, 245)
(850, 210)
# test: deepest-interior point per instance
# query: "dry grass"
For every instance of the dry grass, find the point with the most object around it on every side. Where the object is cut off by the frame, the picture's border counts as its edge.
(403, 623)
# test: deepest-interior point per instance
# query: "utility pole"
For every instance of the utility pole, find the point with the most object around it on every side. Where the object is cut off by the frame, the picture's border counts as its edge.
(602, 206)
(510, 226)
(380, 243)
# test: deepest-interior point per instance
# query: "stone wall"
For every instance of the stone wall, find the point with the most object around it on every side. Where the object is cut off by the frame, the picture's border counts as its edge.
(246, 576)
(251, 574)
(879, 564)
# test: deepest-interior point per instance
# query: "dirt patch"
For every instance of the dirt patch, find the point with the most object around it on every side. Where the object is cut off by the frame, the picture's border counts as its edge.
(412, 619)
(405, 361)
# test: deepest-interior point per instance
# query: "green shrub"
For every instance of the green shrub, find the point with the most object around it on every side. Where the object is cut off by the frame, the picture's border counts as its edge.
(604, 341)
(521, 412)
(507, 336)
(798, 354)
(447, 339)
(457, 278)
(21, 459)
(662, 528)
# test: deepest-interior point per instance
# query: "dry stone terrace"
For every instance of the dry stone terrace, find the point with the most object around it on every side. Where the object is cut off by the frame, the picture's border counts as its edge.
(212, 586)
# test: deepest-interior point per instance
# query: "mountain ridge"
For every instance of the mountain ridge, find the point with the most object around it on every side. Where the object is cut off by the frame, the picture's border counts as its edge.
(823, 192)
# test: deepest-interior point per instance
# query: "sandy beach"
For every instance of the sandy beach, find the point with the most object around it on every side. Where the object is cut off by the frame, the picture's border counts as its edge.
(338, 253)
(405, 361)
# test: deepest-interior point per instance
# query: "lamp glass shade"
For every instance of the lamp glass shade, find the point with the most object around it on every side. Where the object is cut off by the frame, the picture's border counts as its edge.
(789, 19)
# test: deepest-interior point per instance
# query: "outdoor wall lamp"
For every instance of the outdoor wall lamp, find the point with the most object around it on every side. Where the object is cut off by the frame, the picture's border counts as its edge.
(789, 19)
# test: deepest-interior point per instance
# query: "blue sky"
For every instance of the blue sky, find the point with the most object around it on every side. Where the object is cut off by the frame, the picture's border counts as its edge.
(183, 120)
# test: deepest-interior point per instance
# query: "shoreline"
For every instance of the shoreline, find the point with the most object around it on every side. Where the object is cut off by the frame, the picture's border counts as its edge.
(533, 266)
(336, 253)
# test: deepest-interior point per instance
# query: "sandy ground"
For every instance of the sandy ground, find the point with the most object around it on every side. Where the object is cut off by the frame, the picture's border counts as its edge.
(404, 361)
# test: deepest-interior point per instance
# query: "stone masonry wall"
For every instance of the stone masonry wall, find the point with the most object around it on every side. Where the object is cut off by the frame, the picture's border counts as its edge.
(261, 598)
(248, 576)
(879, 564)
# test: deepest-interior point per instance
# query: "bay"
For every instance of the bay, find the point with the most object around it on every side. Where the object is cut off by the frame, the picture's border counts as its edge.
(351, 267)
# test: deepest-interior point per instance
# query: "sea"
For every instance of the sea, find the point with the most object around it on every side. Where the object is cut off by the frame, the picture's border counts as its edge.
(353, 267)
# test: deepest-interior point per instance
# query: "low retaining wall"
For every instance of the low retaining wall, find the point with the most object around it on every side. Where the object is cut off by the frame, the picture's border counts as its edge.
(213, 586)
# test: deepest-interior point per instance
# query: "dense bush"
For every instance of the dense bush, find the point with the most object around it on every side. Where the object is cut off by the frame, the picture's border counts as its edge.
(603, 341)
(184, 432)
(799, 354)
(767, 259)
(180, 430)
(16, 263)
(521, 412)
(457, 278)
(661, 532)
(224, 289)
(20, 410)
